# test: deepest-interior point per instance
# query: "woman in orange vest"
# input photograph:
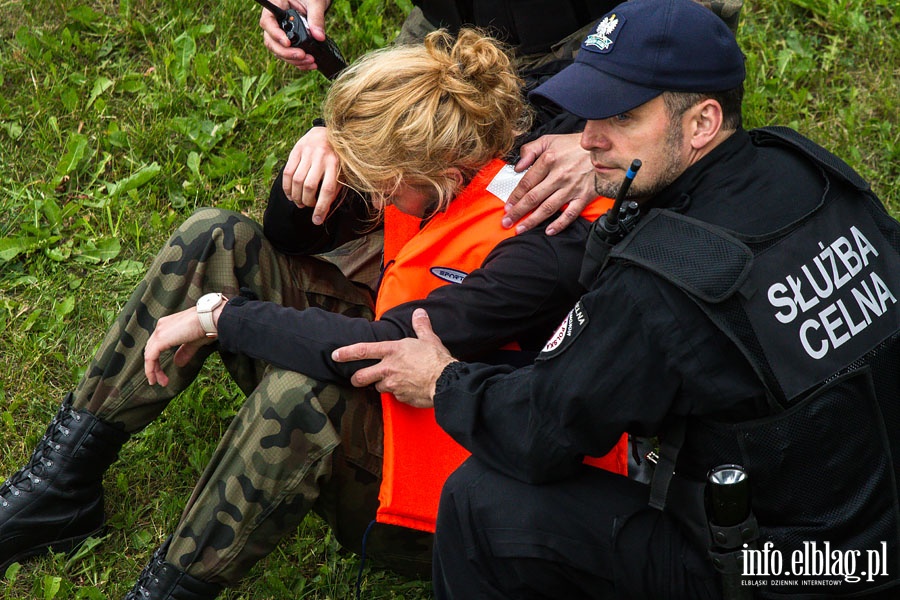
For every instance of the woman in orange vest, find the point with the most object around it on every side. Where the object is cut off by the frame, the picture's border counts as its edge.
(421, 132)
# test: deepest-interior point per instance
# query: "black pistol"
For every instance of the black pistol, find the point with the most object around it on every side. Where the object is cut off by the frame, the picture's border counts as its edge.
(329, 59)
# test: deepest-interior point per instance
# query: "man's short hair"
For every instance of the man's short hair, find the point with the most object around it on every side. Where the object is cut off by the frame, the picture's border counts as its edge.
(730, 101)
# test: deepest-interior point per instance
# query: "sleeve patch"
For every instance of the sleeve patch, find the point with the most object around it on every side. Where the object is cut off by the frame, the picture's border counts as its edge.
(565, 334)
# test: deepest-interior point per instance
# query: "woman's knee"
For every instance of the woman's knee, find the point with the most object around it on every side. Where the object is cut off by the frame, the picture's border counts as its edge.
(210, 222)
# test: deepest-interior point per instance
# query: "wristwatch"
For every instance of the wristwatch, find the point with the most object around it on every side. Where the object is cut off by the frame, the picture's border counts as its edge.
(205, 307)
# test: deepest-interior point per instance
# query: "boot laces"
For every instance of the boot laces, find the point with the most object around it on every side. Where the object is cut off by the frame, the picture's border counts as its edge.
(26, 478)
(149, 576)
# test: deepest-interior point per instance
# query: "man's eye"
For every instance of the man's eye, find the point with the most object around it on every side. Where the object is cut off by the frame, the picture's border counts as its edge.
(622, 117)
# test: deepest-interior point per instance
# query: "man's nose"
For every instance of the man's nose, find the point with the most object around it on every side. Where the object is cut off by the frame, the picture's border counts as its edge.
(594, 136)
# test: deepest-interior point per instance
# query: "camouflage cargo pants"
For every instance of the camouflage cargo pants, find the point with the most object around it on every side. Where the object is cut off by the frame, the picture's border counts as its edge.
(296, 444)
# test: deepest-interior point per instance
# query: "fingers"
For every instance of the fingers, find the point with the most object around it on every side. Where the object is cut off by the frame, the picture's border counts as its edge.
(538, 185)
(560, 176)
(315, 14)
(568, 216)
(185, 353)
(548, 207)
(290, 170)
(310, 175)
(152, 367)
(530, 192)
(328, 192)
(306, 180)
(171, 331)
(373, 375)
(271, 29)
(277, 42)
(529, 153)
(421, 323)
(361, 351)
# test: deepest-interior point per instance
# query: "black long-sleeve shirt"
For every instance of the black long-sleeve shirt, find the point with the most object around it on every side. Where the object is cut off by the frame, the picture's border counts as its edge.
(520, 294)
(640, 351)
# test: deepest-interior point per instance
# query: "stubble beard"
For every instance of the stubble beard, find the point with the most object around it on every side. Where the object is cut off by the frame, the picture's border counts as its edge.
(642, 189)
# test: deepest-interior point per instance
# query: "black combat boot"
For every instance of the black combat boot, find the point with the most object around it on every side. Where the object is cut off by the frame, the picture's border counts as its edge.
(56, 500)
(163, 581)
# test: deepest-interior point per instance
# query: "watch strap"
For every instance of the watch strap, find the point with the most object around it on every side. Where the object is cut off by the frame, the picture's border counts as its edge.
(205, 315)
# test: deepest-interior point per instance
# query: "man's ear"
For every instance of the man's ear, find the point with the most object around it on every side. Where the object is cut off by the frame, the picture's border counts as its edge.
(705, 123)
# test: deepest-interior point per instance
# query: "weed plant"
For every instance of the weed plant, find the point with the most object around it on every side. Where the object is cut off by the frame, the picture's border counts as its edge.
(119, 118)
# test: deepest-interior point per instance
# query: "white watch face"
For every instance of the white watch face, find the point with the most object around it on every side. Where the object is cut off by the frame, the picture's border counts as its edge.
(208, 302)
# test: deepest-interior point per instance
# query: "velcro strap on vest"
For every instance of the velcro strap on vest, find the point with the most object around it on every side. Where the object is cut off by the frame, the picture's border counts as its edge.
(702, 259)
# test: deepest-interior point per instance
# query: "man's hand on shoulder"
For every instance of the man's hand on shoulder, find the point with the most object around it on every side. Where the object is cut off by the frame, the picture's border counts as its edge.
(560, 174)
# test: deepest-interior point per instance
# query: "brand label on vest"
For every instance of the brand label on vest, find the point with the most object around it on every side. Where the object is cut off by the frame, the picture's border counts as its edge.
(825, 296)
(448, 274)
(566, 333)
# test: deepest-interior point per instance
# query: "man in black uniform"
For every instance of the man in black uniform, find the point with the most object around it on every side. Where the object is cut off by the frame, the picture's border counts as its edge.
(750, 318)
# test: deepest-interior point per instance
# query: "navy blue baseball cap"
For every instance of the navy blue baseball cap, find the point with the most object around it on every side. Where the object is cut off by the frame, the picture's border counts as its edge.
(644, 48)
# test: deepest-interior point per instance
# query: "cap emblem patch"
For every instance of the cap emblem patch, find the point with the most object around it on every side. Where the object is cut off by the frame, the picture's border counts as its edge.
(605, 34)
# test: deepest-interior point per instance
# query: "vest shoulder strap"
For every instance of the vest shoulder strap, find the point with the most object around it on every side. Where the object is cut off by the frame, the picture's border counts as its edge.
(831, 163)
(704, 260)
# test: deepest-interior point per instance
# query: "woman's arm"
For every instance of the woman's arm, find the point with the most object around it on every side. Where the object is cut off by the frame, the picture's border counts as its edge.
(523, 290)
(291, 231)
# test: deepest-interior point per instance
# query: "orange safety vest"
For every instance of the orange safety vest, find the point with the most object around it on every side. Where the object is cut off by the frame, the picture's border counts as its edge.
(418, 454)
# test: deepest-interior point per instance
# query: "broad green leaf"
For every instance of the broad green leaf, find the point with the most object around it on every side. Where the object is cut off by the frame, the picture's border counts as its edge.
(101, 84)
(100, 251)
(185, 48)
(29, 41)
(89, 593)
(84, 15)
(203, 132)
(69, 98)
(51, 584)
(12, 128)
(60, 253)
(12, 570)
(32, 318)
(229, 162)
(201, 66)
(206, 29)
(65, 307)
(132, 82)
(129, 268)
(240, 64)
(75, 151)
(193, 163)
(51, 211)
(12, 247)
(135, 180)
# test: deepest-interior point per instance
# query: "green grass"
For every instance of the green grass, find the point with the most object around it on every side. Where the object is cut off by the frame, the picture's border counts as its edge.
(117, 119)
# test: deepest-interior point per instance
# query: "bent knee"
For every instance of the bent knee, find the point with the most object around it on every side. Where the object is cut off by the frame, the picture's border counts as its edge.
(210, 222)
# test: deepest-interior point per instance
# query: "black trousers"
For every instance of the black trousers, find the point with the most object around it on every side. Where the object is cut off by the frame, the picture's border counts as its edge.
(589, 537)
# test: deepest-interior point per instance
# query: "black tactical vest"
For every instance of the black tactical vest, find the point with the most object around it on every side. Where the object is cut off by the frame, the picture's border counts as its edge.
(815, 309)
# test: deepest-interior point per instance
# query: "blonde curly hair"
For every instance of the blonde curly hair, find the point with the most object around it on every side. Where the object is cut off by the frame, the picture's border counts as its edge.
(407, 114)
